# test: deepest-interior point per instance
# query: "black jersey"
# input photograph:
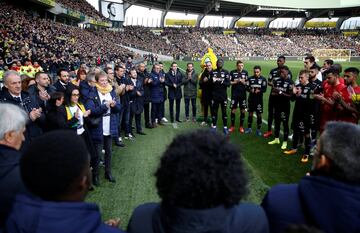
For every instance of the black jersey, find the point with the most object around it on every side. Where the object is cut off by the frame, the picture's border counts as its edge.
(283, 86)
(206, 87)
(256, 84)
(221, 81)
(303, 101)
(275, 74)
(238, 89)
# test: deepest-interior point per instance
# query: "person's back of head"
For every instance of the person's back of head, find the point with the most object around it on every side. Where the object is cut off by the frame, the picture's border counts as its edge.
(55, 167)
(201, 170)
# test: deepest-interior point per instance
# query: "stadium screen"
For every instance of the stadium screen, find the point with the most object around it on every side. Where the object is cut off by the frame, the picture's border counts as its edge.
(114, 11)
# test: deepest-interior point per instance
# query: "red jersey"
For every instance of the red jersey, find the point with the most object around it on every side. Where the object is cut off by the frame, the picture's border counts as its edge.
(334, 112)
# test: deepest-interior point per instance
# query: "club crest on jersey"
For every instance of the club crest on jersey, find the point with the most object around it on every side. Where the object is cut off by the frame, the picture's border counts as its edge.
(259, 81)
(285, 85)
(222, 75)
(305, 90)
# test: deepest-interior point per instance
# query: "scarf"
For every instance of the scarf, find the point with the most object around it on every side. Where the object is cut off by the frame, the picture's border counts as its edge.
(104, 90)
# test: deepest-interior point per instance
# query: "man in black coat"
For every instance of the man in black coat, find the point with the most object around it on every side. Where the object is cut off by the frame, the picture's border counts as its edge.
(145, 76)
(173, 80)
(136, 97)
(12, 93)
(63, 81)
(12, 127)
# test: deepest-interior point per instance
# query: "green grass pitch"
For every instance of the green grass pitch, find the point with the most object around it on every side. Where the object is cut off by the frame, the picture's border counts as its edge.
(134, 165)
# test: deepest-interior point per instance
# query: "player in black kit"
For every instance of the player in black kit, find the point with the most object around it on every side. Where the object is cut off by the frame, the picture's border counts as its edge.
(282, 91)
(220, 82)
(274, 75)
(301, 121)
(257, 87)
(238, 80)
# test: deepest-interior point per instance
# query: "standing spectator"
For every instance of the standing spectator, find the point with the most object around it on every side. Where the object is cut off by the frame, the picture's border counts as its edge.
(162, 106)
(238, 80)
(80, 77)
(102, 103)
(157, 94)
(129, 65)
(173, 80)
(136, 101)
(63, 81)
(184, 206)
(190, 91)
(12, 127)
(145, 76)
(58, 189)
(282, 91)
(13, 94)
(206, 90)
(54, 106)
(42, 90)
(257, 87)
(329, 196)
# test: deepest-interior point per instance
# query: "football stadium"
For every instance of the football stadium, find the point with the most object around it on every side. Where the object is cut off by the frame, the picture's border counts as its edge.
(179, 116)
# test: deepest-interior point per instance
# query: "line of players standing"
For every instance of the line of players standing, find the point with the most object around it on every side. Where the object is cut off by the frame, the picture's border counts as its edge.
(214, 84)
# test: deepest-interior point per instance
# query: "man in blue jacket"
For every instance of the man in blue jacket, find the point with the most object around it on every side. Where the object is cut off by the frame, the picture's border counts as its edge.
(173, 80)
(157, 94)
(329, 198)
(58, 189)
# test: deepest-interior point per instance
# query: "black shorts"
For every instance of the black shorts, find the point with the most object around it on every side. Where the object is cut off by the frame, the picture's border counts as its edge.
(238, 101)
(256, 105)
(302, 124)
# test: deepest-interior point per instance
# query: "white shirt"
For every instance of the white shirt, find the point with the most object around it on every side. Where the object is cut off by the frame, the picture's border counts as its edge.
(80, 128)
(106, 117)
(319, 76)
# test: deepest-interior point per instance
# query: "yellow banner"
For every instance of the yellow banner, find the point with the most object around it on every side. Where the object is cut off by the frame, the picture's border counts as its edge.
(250, 24)
(99, 23)
(47, 2)
(350, 33)
(278, 33)
(229, 32)
(180, 22)
(320, 24)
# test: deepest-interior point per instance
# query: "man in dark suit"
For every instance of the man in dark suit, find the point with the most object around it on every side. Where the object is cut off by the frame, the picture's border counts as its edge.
(136, 95)
(173, 80)
(12, 127)
(63, 81)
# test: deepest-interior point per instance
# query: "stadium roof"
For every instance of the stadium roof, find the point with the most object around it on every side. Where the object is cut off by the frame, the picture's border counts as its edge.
(258, 8)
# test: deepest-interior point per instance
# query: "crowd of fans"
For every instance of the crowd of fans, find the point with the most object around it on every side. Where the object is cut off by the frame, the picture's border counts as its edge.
(82, 6)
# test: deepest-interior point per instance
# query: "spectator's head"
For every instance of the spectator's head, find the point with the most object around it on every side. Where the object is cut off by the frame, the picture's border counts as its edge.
(201, 170)
(42, 79)
(119, 71)
(174, 66)
(133, 74)
(332, 76)
(129, 59)
(308, 62)
(257, 71)
(142, 67)
(56, 99)
(304, 77)
(314, 70)
(102, 79)
(220, 63)
(81, 74)
(63, 75)
(338, 152)
(56, 167)
(350, 75)
(284, 72)
(327, 64)
(281, 61)
(12, 125)
(239, 65)
(110, 73)
(161, 65)
(90, 78)
(190, 67)
(156, 68)
(12, 82)
(72, 95)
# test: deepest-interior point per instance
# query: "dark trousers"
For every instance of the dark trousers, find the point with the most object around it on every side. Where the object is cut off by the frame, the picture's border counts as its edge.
(94, 156)
(223, 105)
(107, 147)
(171, 109)
(124, 120)
(162, 110)
(155, 112)
(137, 121)
(207, 106)
(147, 113)
(187, 105)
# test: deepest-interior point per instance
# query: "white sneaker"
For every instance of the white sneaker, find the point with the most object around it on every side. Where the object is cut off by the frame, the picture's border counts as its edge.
(156, 121)
(203, 123)
(120, 139)
(165, 120)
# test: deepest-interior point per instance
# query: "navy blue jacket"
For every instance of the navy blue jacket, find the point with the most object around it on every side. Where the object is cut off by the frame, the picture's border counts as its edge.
(10, 180)
(137, 102)
(156, 88)
(31, 214)
(319, 201)
(152, 218)
(85, 90)
(170, 79)
(99, 109)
